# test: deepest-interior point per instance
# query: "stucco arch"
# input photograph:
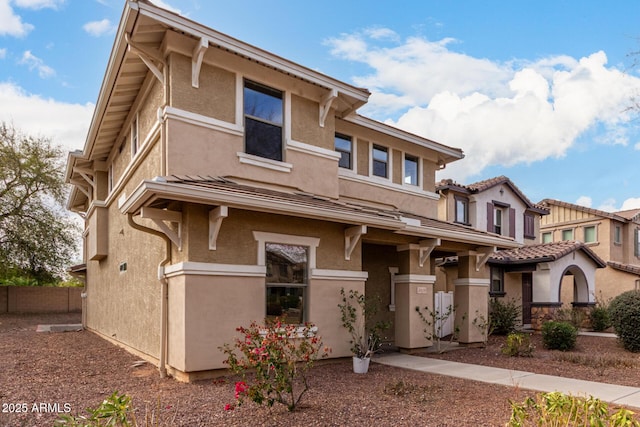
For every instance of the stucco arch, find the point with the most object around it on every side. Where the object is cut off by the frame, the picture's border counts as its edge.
(583, 288)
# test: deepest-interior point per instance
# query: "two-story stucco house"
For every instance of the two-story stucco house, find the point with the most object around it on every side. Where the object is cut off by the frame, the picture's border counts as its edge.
(534, 274)
(613, 236)
(222, 184)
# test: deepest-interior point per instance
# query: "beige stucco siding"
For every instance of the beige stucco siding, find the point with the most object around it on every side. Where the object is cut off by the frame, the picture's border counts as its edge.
(305, 124)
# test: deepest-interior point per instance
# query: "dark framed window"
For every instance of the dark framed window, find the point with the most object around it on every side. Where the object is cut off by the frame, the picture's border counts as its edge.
(497, 220)
(410, 170)
(497, 282)
(344, 146)
(287, 279)
(263, 120)
(529, 226)
(380, 156)
(462, 209)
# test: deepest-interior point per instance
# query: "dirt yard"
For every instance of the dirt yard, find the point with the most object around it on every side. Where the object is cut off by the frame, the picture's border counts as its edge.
(49, 373)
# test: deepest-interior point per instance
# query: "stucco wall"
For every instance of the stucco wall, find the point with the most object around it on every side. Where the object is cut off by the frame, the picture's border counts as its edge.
(21, 299)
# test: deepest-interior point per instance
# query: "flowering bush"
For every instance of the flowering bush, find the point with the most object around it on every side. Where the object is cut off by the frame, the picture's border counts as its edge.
(279, 355)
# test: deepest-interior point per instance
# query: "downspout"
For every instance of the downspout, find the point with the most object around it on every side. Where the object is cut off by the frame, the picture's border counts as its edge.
(163, 291)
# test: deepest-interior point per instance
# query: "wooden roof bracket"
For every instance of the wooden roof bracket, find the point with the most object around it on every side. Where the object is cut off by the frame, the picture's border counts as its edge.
(146, 57)
(216, 216)
(426, 247)
(161, 217)
(196, 61)
(325, 105)
(352, 236)
(483, 256)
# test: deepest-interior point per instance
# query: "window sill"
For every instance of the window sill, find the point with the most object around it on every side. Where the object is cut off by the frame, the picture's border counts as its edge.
(262, 162)
(497, 294)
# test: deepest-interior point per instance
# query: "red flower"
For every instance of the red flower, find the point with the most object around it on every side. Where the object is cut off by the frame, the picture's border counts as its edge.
(229, 407)
(241, 388)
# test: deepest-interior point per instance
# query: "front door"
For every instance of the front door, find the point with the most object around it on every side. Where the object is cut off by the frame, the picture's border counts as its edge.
(527, 297)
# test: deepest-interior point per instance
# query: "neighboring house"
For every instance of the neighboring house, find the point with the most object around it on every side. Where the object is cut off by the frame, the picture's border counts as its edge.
(221, 184)
(613, 236)
(533, 274)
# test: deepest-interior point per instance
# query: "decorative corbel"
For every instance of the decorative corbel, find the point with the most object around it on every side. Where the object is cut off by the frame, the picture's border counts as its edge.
(146, 57)
(80, 185)
(325, 105)
(161, 217)
(426, 247)
(215, 222)
(483, 256)
(196, 61)
(352, 236)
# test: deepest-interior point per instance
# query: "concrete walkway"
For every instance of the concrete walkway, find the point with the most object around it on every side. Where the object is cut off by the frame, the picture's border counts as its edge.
(618, 394)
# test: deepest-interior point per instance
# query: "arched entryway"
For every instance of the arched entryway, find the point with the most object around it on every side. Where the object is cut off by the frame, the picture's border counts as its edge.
(574, 287)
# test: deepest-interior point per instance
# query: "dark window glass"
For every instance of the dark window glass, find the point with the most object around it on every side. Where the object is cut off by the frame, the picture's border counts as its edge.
(263, 121)
(287, 268)
(380, 161)
(344, 146)
(410, 170)
(462, 210)
(497, 281)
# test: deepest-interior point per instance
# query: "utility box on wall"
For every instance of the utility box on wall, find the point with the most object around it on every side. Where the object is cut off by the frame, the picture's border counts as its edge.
(98, 236)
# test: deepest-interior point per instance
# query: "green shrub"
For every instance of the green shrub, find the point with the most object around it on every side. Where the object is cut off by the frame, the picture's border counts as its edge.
(559, 335)
(558, 409)
(599, 318)
(624, 311)
(504, 316)
(518, 344)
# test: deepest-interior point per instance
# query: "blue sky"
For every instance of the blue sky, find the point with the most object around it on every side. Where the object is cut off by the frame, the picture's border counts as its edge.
(537, 91)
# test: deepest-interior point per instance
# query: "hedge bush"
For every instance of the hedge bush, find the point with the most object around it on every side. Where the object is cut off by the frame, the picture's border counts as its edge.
(504, 316)
(559, 335)
(624, 312)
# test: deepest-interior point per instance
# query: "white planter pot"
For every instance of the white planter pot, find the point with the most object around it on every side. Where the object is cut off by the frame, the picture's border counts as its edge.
(361, 366)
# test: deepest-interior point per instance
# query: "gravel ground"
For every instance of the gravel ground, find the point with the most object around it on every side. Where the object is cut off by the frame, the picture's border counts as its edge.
(46, 373)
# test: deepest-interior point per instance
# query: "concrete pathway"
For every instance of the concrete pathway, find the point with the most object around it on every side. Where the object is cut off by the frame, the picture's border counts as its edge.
(618, 394)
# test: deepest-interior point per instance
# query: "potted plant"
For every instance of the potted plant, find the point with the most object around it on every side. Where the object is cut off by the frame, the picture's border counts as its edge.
(357, 318)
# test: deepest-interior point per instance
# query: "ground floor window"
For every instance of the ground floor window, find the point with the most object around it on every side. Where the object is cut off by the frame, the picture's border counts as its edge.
(497, 282)
(287, 278)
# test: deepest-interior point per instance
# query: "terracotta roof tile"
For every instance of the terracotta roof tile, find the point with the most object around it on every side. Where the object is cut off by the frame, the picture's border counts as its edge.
(543, 252)
(627, 268)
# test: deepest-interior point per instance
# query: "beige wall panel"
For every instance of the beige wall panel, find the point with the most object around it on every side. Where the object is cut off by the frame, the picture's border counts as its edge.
(324, 297)
(611, 283)
(215, 95)
(408, 202)
(305, 125)
(148, 113)
(376, 262)
(397, 158)
(409, 331)
(363, 156)
(176, 323)
(429, 169)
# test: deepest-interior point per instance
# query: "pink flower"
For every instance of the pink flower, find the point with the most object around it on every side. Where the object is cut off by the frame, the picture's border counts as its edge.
(241, 388)
(229, 407)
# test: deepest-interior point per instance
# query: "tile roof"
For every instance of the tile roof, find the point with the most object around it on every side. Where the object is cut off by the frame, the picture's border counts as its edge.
(543, 252)
(604, 214)
(630, 214)
(627, 268)
(486, 184)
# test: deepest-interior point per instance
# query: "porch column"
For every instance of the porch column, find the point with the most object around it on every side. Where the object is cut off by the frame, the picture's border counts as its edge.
(413, 288)
(471, 298)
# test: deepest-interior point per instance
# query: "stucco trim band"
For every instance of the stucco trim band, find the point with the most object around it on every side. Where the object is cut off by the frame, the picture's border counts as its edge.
(342, 275)
(200, 120)
(211, 269)
(383, 183)
(472, 282)
(414, 278)
(312, 150)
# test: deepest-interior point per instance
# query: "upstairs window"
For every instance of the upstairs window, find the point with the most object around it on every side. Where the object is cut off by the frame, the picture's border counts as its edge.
(617, 235)
(263, 121)
(410, 170)
(547, 237)
(462, 209)
(497, 220)
(590, 234)
(567, 235)
(380, 157)
(344, 146)
(636, 242)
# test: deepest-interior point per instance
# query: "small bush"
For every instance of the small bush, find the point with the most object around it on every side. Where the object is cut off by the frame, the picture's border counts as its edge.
(624, 312)
(518, 344)
(504, 316)
(599, 317)
(570, 315)
(559, 335)
(558, 409)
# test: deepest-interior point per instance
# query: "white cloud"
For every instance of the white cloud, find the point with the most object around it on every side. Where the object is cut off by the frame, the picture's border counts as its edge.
(608, 205)
(10, 23)
(35, 63)
(67, 124)
(39, 4)
(498, 113)
(3, 53)
(584, 201)
(99, 28)
(632, 203)
(637, 146)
